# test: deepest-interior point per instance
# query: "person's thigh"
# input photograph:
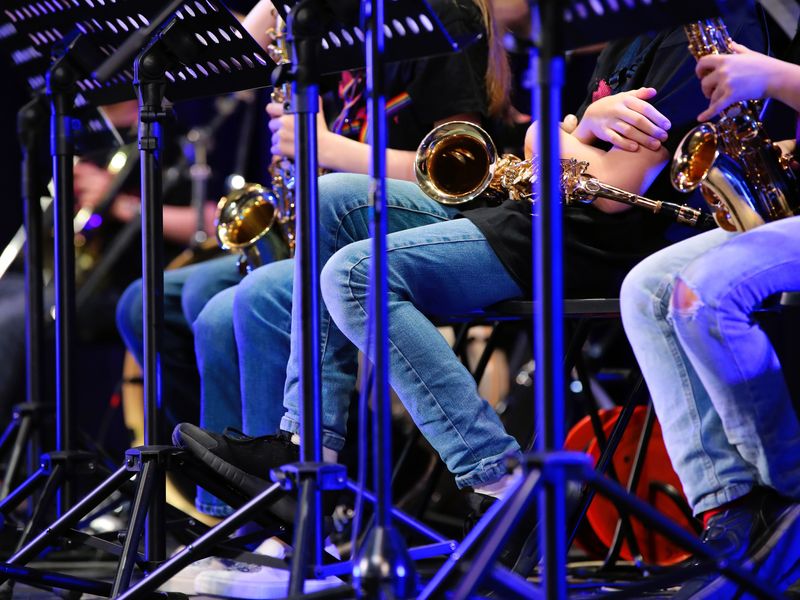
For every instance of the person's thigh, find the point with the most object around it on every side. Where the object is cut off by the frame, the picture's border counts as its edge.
(345, 213)
(205, 280)
(441, 269)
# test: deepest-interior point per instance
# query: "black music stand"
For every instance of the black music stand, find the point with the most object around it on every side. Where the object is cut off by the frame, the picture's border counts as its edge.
(309, 22)
(35, 414)
(546, 472)
(202, 50)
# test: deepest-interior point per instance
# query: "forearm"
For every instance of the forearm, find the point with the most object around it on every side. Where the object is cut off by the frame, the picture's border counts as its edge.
(339, 153)
(630, 171)
(180, 223)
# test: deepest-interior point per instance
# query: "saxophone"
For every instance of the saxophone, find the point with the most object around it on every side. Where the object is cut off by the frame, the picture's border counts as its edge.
(742, 175)
(458, 162)
(248, 217)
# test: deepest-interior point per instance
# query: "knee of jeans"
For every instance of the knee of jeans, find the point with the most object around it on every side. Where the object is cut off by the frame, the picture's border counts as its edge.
(343, 281)
(643, 295)
(214, 324)
(338, 194)
(195, 295)
(129, 312)
(259, 292)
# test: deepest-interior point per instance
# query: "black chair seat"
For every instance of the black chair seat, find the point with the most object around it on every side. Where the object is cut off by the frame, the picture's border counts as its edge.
(512, 310)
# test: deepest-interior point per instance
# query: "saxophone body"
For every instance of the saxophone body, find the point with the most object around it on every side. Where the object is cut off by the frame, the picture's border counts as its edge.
(281, 170)
(458, 162)
(258, 221)
(740, 172)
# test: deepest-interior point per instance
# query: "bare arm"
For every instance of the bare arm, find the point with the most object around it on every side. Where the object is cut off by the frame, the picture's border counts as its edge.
(338, 153)
(343, 154)
(180, 222)
(631, 171)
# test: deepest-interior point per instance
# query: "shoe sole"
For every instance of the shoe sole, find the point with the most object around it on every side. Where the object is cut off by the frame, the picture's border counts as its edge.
(196, 441)
(783, 541)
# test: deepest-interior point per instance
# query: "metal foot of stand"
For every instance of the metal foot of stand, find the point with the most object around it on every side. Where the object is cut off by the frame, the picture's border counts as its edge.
(290, 477)
(554, 470)
(149, 467)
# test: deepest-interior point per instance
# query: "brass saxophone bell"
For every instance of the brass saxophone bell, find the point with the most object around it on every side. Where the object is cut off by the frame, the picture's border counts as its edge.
(455, 162)
(244, 218)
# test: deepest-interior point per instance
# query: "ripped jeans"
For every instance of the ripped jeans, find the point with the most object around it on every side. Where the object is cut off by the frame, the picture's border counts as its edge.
(714, 377)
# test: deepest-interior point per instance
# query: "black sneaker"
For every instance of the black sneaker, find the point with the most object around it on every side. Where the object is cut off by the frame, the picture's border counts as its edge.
(243, 460)
(761, 533)
(521, 553)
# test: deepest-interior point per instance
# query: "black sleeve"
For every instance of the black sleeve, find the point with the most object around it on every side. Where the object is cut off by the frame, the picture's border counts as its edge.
(455, 83)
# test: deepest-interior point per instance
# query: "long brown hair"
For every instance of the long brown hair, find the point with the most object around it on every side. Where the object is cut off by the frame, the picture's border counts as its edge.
(498, 72)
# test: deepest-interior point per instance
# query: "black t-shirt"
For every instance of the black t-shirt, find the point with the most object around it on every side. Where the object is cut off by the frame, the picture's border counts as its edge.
(421, 92)
(600, 248)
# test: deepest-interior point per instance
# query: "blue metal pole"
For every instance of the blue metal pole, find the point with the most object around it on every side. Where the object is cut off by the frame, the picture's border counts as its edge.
(547, 67)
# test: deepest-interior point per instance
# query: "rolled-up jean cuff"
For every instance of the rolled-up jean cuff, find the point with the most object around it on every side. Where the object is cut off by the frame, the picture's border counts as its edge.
(214, 509)
(332, 441)
(489, 470)
(721, 497)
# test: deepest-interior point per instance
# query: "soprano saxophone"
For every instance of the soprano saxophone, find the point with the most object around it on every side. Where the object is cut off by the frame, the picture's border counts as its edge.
(742, 175)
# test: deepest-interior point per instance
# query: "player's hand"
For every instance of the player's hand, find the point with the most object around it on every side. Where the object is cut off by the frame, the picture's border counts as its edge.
(625, 120)
(730, 78)
(569, 124)
(282, 127)
(90, 183)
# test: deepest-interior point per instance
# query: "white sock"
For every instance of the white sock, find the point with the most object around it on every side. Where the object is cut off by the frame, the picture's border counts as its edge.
(328, 455)
(499, 488)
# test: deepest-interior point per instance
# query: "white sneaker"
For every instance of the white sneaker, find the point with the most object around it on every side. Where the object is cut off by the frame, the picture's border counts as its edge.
(183, 581)
(254, 583)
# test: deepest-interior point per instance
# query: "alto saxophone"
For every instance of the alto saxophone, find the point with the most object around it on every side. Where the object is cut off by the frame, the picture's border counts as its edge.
(248, 218)
(457, 162)
(742, 175)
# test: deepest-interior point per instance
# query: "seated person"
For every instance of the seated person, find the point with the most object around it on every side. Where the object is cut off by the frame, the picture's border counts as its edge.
(729, 425)
(478, 260)
(200, 300)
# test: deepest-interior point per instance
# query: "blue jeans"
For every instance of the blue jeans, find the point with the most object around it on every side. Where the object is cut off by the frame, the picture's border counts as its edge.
(344, 219)
(714, 377)
(442, 268)
(186, 292)
(242, 335)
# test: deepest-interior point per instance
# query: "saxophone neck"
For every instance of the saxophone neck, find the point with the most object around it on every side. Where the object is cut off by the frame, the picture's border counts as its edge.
(709, 36)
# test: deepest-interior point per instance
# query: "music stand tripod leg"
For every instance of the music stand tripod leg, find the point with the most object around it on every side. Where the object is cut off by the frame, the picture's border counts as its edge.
(24, 431)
